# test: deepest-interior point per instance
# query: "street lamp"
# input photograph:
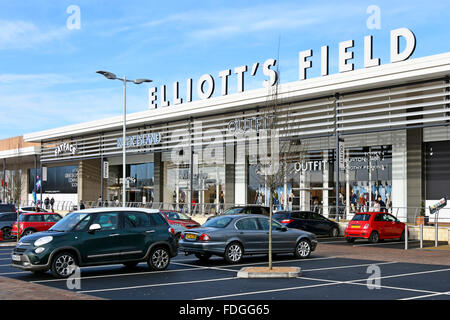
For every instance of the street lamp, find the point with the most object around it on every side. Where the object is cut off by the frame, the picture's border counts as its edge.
(112, 76)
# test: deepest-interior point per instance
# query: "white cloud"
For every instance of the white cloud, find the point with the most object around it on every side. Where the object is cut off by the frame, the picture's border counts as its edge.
(24, 35)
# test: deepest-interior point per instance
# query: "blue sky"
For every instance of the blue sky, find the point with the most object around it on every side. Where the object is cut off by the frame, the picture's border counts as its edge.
(47, 69)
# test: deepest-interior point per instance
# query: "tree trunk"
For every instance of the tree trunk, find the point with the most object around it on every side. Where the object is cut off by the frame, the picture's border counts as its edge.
(270, 227)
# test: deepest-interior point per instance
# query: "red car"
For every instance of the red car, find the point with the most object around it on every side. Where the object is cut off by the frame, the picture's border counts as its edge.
(31, 222)
(178, 218)
(374, 226)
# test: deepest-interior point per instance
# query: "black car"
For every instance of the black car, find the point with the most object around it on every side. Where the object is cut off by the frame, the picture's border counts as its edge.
(308, 221)
(250, 209)
(247, 210)
(95, 237)
(7, 219)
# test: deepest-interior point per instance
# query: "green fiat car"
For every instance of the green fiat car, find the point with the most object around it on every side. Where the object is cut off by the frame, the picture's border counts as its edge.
(95, 237)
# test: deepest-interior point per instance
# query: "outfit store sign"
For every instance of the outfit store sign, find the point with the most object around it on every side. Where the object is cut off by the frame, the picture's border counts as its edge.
(206, 84)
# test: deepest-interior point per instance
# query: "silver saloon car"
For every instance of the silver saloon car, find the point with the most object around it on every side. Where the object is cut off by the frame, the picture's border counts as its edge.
(234, 236)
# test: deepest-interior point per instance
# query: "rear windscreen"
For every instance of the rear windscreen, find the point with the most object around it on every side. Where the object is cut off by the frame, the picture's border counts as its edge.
(361, 217)
(280, 216)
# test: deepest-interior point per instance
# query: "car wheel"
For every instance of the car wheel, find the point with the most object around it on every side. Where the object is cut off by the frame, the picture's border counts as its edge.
(159, 259)
(63, 265)
(302, 249)
(374, 237)
(27, 232)
(203, 256)
(334, 232)
(350, 240)
(233, 253)
(6, 233)
(130, 264)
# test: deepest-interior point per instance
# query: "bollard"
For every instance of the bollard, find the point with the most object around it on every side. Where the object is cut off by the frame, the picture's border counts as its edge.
(406, 236)
(436, 227)
(421, 235)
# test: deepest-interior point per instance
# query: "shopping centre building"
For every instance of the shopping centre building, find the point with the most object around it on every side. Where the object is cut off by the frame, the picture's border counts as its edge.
(388, 121)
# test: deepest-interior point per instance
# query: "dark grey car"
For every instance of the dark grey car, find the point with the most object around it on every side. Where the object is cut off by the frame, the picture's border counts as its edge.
(7, 220)
(234, 236)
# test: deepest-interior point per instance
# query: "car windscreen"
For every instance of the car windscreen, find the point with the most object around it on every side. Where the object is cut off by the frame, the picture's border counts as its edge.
(280, 215)
(233, 211)
(361, 217)
(176, 215)
(77, 220)
(218, 222)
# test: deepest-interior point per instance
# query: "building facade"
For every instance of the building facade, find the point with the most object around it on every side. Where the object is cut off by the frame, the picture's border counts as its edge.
(384, 129)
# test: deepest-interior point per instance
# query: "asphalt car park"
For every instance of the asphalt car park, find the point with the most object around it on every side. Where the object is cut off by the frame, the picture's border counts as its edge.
(323, 277)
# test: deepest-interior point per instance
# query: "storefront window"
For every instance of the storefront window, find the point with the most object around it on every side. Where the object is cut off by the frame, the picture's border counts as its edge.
(140, 183)
(62, 179)
(369, 178)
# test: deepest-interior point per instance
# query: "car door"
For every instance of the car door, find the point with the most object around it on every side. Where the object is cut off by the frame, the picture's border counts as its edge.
(279, 240)
(36, 222)
(391, 225)
(321, 225)
(379, 224)
(105, 244)
(250, 234)
(136, 227)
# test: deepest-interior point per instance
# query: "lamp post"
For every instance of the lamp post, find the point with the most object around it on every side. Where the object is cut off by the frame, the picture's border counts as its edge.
(112, 76)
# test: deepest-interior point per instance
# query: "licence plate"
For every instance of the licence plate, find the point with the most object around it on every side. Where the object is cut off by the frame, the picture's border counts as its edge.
(16, 257)
(191, 236)
(356, 226)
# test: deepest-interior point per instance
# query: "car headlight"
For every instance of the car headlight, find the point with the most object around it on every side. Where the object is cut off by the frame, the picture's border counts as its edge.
(44, 240)
(39, 250)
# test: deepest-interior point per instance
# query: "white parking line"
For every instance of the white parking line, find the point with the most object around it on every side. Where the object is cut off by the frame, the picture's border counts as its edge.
(349, 266)
(156, 285)
(383, 243)
(332, 282)
(121, 274)
(427, 295)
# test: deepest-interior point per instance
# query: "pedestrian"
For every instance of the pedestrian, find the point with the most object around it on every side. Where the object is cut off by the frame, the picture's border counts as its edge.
(376, 206)
(99, 201)
(47, 203)
(382, 204)
(222, 201)
(361, 202)
(290, 200)
(82, 205)
(52, 203)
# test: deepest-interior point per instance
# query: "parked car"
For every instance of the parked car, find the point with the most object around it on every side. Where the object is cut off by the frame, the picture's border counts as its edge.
(31, 209)
(250, 209)
(6, 207)
(179, 221)
(7, 219)
(174, 217)
(308, 221)
(95, 237)
(374, 226)
(234, 236)
(31, 222)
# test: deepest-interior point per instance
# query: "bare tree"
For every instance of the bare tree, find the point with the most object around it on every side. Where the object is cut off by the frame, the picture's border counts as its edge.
(276, 164)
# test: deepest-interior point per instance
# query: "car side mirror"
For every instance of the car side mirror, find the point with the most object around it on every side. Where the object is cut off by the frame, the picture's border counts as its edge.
(94, 227)
(282, 228)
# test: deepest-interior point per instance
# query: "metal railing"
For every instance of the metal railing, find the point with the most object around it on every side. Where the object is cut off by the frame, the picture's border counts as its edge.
(343, 213)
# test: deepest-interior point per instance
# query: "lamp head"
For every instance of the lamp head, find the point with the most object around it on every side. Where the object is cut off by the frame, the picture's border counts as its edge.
(108, 75)
(139, 81)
